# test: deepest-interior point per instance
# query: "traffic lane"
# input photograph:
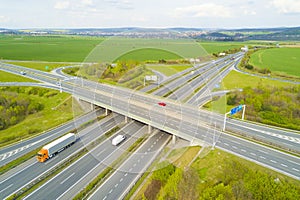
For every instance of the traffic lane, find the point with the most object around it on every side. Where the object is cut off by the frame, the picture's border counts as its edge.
(136, 111)
(84, 181)
(23, 177)
(292, 143)
(176, 83)
(262, 155)
(21, 149)
(101, 154)
(189, 88)
(116, 186)
(15, 151)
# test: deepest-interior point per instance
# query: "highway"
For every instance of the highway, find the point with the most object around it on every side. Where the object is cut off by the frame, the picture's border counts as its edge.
(122, 180)
(200, 80)
(188, 123)
(11, 183)
(181, 110)
(14, 151)
(99, 158)
(211, 83)
(197, 71)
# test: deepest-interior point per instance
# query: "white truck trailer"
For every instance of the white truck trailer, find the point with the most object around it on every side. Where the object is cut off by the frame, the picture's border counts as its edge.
(56, 146)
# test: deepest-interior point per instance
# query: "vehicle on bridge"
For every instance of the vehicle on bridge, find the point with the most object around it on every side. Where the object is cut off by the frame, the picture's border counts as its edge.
(55, 147)
(162, 103)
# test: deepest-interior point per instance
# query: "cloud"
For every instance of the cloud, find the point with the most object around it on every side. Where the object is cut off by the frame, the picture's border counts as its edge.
(204, 10)
(121, 4)
(249, 12)
(287, 6)
(61, 5)
(4, 19)
(87, 2)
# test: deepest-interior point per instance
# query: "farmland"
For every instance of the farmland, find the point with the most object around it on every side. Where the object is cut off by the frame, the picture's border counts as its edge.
(148, 54)
(80, 49)
(278, 60)
(42, 48)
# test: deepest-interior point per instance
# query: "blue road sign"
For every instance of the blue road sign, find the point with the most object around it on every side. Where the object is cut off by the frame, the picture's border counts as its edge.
(236, 109)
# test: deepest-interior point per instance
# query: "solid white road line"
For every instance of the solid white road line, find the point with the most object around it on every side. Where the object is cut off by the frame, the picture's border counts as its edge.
(67, 178)
(6, 187)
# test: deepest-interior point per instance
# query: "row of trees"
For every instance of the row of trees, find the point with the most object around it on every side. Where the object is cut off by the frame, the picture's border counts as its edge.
(270, 105)
(228, 51)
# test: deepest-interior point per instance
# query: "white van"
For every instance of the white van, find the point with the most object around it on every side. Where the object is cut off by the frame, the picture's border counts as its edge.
(118, 139)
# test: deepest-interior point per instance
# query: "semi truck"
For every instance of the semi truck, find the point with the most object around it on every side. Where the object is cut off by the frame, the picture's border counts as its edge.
(118, 139)
(55, 147)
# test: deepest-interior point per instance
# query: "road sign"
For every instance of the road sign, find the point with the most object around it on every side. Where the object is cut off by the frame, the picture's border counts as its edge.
(236, 109)
(46, 68)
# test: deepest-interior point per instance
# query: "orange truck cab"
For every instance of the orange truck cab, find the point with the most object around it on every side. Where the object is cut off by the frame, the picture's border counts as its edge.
(42, 155)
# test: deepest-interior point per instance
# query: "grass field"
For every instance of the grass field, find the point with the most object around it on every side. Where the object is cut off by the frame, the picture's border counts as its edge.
(95, 49)
(57, 110)
(215, 47)
(43, 66)
(8, 77)
(114, 48)
(149, 54)
(236, 80)
(282, 60)
(91, 49)
(168, 70)
(43, 48)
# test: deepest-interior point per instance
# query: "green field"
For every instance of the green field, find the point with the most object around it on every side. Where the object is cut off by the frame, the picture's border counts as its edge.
(43, 48)
(278, 60)
(216, 47)
(236, 80)
(149, 54)
(43, 66)
(168, 70)
(96, 49)
(8, 77)
(114, 48)
(93, 49)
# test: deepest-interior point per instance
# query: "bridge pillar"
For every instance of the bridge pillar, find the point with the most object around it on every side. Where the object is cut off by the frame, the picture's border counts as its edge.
(106, 111)
(92, 106)
(126, 119)
(149, 129)
(174, 139)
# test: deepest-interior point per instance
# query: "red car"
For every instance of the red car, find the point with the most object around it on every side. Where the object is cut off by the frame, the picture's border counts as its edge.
(162, 104)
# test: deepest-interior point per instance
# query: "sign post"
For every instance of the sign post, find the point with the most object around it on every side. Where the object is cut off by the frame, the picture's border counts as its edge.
(233, 111)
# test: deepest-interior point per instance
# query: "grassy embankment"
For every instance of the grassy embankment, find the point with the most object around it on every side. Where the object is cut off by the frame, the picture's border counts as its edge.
(8, 77)
(218, 175)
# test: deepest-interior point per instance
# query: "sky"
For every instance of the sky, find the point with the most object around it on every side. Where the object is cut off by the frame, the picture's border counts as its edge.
(149, 13)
